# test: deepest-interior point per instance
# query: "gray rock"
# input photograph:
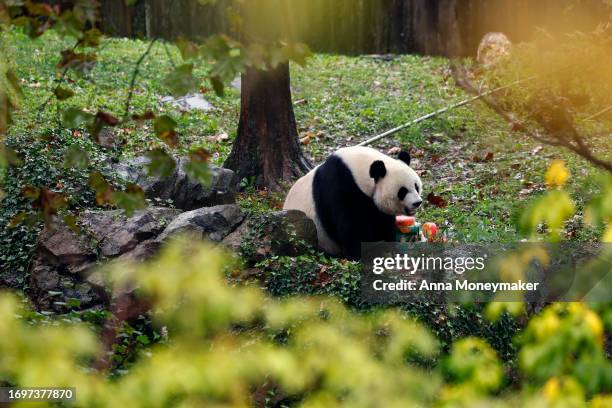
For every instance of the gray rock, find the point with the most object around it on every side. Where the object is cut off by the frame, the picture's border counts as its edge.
(213, 223)
(236, 83)
(142, 252)
(298, 227)
(60, 245)
(185, 192)
(284, 233)
(54, 288)
(189, 102)
(108, 138)
(62, 274)
(234, 239)
(116, 234)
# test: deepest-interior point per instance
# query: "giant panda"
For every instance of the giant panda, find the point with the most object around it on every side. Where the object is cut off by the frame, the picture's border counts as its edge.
(354, 196)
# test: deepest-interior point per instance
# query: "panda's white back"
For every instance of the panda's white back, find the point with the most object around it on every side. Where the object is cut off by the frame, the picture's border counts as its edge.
(300, 197)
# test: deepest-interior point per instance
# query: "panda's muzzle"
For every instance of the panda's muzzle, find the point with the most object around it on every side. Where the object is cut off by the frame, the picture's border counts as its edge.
(412, 211)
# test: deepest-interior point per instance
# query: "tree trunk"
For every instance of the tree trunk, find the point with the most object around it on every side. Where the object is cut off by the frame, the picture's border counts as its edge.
(267, 146)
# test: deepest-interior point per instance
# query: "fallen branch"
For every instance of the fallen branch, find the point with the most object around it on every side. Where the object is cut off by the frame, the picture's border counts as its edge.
(566, 136)
(443, 110)
(600, 113)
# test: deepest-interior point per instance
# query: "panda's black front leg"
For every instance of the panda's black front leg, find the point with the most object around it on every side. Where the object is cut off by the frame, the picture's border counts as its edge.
(352, 250)
(349, 236)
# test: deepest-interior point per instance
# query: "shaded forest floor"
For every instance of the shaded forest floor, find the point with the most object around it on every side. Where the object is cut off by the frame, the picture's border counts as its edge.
(484, 172)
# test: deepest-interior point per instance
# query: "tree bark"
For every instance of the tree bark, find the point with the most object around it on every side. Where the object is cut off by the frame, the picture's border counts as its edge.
(267, 146)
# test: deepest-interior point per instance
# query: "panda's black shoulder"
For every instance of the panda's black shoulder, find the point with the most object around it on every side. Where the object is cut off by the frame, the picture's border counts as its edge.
(339, 202)
(335, 176)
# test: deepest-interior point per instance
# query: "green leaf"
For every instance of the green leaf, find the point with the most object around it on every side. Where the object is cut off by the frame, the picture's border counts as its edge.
(75, 157)
(130, 200)
(91, 37)
(163, 124)
(197, 167)
(161, 165)
(187, 48)
(101, 187)
(143, 339)
(71, 222)
(181, 81)
(217, 85)
(297, 52)
(256, 56)
(17, 220)
(75, 117)
(164, 129)
(63, 93)
(276, 57)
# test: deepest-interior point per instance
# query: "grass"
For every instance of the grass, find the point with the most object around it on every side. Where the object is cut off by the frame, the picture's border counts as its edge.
(341, 100)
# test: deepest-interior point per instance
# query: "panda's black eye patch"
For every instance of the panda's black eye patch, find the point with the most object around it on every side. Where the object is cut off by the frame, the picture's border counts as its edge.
(401, 194)
(416, 187)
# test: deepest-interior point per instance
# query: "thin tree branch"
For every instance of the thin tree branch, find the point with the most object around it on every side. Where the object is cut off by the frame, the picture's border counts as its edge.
(598, 114)
(575, 142)
(58, 83)
(169, 55)
(477, 95)
(135, 74)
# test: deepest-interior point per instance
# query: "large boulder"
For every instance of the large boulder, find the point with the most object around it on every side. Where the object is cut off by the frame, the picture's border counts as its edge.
(60, 274)
(61, 246)
(117, 234)
(213, 223)
(185, 192)
(60, 259)
(283, 233)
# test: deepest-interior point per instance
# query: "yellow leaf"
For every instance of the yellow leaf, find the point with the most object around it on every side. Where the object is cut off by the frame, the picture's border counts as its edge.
(594, 323)
(608, 234)
(551, 389)
(557, 174)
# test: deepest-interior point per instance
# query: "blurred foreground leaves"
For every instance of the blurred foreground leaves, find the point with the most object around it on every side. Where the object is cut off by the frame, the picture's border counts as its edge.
(235, 346)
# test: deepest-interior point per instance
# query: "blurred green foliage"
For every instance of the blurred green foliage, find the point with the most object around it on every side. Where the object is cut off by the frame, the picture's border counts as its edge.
(233, 345)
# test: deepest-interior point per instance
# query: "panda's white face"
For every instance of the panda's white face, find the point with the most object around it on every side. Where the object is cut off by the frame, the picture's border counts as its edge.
(398, 188)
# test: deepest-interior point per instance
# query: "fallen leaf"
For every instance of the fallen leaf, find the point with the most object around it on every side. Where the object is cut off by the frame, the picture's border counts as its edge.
(107, 118)
(517, 127)
(436, 200)
(417, 152)
(394, 150)
(323, 278)
(487, 157)
(306, 137)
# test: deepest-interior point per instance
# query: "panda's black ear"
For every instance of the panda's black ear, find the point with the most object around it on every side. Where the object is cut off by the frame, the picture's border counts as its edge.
(378, 170)
(404, 156)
